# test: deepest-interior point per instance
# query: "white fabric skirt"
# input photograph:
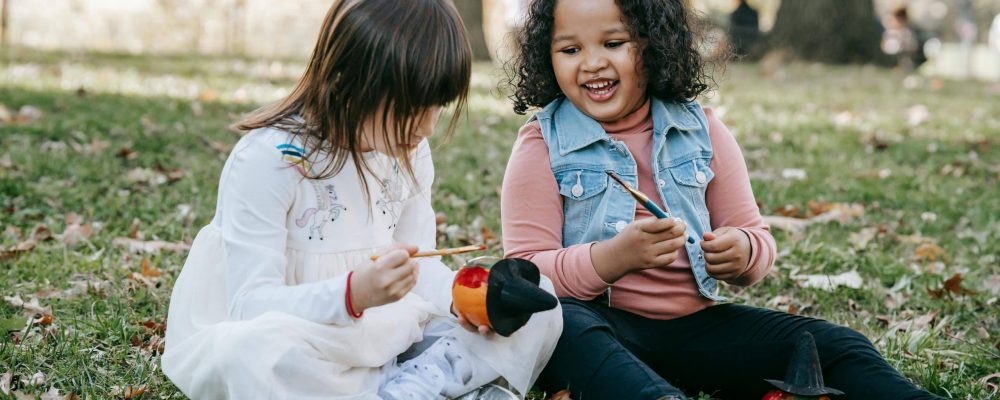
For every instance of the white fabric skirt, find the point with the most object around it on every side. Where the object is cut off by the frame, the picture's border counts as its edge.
(276, 355)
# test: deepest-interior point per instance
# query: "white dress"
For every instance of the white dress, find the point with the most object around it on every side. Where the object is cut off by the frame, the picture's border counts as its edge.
(259, 309)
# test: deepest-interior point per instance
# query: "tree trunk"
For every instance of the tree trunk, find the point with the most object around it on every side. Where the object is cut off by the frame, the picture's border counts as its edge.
(4, 22)
(472, 15)
(829, 31)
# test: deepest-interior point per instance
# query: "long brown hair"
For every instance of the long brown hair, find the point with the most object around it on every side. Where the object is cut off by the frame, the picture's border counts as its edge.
(401, 57)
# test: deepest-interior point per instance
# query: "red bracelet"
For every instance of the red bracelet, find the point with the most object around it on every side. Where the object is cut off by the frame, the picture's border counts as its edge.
(347, 298)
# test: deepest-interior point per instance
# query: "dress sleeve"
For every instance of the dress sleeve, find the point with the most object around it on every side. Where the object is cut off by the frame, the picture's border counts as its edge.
(417, 226)
(731, 202)
(531, 215)
(256, 194)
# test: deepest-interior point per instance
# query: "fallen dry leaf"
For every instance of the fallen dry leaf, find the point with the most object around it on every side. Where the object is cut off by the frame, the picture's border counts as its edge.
(823, 212)
(151, 246)
(148, 271)
(41, 233)
(929, 252)
(849, 279)
(134, 392)
(143, 280)
(954, 285)
(987, 381)
(787, 224)
(861, 238)
(31, 307)
(38, 379)
(17, 249)
(145, 176)
(5, 382)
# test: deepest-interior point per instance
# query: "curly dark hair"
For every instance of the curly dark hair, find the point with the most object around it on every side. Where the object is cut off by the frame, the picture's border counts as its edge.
(662, 29)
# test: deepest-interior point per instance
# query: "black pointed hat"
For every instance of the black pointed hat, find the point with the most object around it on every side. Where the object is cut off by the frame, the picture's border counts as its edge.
(804, 376)
(512, 295)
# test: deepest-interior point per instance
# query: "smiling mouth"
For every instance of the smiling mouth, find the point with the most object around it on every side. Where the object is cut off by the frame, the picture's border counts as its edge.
(600, 90)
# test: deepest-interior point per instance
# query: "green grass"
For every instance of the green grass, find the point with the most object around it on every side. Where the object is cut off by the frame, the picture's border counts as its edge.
(846, 127)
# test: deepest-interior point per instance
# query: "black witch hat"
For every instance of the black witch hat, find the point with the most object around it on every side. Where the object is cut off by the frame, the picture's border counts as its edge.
(512, 295)
(804, 376)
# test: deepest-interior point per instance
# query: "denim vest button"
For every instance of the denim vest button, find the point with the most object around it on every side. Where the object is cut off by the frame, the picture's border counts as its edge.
(577, 190)
(620, 226)
(700, 177)
(661, 182)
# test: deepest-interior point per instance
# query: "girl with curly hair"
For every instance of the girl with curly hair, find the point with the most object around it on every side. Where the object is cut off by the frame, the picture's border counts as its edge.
(616, 83)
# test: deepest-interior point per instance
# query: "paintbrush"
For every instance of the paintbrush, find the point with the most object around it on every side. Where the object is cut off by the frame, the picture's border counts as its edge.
(645, 201)
(444, 252)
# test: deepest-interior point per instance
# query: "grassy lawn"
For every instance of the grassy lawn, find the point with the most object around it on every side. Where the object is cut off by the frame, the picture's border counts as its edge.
(130, 148)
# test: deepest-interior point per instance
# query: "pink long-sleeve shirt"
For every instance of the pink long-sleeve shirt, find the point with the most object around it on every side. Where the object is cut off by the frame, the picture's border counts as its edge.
(532, 221)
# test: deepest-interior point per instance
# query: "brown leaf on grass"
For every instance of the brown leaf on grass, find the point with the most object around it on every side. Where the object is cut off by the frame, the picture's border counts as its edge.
(133, 230)
(488, 236)
(41, 233)
(172, 175)
(134, 392)
(156, 327)
(817, 207)
(929, 252)
(788, 210)
(45, 319)
(148, 271)
(861, 238)
(76, 233)
(787, 224)
(988, 382)
(951, 286)
(151, 246)
(31, 307)
(126, 153)
(17, 250)
(147, 282)
(954, 285)
(822, 212)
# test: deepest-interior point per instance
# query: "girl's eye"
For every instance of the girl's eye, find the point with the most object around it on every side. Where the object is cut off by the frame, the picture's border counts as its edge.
(569, 51)
(613, 44)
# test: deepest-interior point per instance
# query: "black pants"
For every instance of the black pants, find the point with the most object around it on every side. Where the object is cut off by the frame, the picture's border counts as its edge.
(725, 351)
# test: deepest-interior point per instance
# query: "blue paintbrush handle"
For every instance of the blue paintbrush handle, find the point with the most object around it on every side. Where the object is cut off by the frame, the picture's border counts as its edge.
(653, 208)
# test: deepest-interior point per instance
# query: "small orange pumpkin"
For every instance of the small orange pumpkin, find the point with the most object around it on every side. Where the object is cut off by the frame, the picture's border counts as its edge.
(468, 292)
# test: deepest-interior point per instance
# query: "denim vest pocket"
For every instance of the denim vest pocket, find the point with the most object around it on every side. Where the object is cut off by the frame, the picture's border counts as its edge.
(692, 178)
(580, 189)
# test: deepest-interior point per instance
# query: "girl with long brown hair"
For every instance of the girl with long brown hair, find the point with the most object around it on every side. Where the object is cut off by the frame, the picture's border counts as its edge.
(279, 297)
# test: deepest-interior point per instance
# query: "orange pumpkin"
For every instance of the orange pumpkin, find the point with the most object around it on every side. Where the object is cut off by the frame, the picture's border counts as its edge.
(468, 293)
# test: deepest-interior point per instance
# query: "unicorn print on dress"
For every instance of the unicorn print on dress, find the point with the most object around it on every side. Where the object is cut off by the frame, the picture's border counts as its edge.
(326, 210)
(392, 197)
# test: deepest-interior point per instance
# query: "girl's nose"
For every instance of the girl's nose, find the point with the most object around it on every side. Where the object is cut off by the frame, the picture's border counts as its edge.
(595, 63)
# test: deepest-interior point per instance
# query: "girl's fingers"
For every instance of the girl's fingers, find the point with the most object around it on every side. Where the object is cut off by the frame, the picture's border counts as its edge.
(719, 244)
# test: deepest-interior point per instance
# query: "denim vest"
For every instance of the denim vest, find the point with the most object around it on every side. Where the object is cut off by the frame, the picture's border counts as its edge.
(596, 208)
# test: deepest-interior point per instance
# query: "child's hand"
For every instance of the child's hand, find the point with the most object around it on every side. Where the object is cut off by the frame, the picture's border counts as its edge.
(643, 244)
(727, 252)
(482, 330)
(386, 280)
